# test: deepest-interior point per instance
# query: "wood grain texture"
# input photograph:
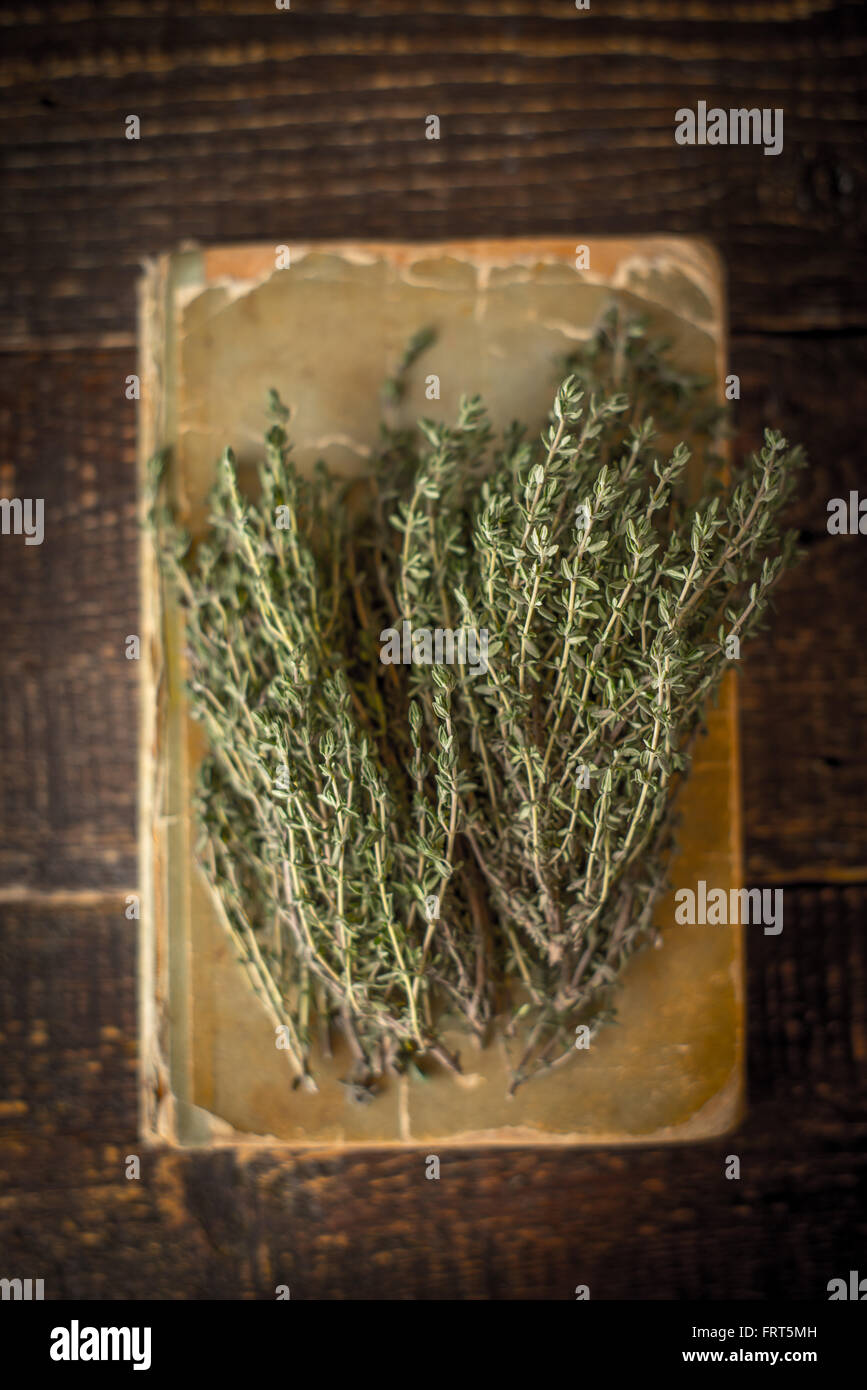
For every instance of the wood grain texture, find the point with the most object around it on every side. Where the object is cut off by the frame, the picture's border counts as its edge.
(552, 122)
(67, 738)
(259, 124)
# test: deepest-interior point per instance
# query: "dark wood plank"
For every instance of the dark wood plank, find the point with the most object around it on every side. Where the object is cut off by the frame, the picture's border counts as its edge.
(804, 686)
(803, 710)
(68, 1005)
(68, 694)
(260, 124)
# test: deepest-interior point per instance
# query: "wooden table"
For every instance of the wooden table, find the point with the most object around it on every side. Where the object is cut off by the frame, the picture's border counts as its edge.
(259, 124)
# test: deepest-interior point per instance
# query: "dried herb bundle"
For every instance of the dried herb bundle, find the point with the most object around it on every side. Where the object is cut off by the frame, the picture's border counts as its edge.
(533, 799)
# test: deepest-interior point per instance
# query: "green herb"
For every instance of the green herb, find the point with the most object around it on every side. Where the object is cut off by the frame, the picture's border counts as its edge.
(534, 799)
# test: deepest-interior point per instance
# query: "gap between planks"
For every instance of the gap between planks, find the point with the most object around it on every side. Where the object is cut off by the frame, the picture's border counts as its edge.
(64, 897)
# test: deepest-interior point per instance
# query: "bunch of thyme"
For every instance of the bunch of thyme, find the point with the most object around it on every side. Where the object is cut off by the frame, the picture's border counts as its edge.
(341, 796)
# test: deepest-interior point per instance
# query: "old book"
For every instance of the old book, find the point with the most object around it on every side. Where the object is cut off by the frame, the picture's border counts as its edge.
(218, 328)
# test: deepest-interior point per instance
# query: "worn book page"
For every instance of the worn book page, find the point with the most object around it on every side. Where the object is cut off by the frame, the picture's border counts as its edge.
(219, 328)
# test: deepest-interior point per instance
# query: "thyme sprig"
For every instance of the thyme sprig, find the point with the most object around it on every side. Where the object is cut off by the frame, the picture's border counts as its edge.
(535, 801)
